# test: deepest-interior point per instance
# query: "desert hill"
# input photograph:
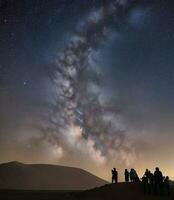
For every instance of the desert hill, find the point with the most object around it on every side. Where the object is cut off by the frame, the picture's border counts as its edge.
(16, 175)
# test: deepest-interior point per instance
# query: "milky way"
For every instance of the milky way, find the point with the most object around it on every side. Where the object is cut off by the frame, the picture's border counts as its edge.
(84, 117)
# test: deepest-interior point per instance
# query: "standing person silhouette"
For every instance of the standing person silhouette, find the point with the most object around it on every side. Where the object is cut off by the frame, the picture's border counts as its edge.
(151, 182)
(126, 174)
(133, 176)
(146, 182)
(114, 175)
(158, 179)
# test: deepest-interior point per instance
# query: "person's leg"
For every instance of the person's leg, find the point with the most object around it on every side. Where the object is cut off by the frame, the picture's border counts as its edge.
(168, 189)
(151, 188)
(161, 188)
(155, 189)
(158, 189)
(114, 180)
(144, 188)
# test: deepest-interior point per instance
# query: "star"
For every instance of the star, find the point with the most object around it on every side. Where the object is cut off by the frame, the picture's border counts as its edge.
(5, 21)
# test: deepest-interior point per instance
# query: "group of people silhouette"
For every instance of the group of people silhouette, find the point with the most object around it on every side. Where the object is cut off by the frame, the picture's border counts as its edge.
(152, 183)
(155, 183)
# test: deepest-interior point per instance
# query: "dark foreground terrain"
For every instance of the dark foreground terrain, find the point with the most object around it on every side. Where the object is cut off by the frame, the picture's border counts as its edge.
(121, 191)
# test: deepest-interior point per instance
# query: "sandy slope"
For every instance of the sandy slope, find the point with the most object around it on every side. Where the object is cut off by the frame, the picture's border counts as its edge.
(15, 175)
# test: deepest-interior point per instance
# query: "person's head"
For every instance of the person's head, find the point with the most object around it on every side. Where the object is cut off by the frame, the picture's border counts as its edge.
(114, 169)
(167, 178)
(157, 168)
(125, 170)
(147, 170)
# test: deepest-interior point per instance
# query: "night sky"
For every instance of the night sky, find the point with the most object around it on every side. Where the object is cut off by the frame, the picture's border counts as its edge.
(88, 83)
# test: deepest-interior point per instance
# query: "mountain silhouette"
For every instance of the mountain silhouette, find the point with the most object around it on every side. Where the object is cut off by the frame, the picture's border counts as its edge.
(16, 175)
